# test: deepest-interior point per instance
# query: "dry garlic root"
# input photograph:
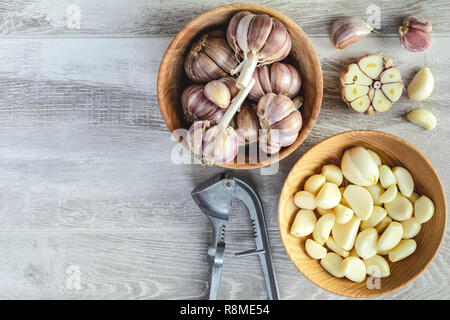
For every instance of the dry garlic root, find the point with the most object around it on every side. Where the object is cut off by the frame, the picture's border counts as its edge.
(375, 213)
(372, 84)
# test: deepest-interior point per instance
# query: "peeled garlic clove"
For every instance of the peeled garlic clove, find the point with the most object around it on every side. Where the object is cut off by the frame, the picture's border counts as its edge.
(422, 117)
(314, 183)
(333, 173)
(347, 30)
(377, 266)
(343, 214)
(323, 228)
(358, 167)
(411, 228)
(333, 246)
(345, 234)
(354, 269)
(403, 250)
(305, 200)
(315, 250)
(197, 106)
(323, 212)
(421, 85)
(414, 34)
(378, 214)
(405, 181)
(304, 223)
(343, 201)
(376, 191)
(389, 194)
(383, 224)
(400, 208)
(423, 209)
(387, 178)
(366, 243)
(391, 236)
(332, 264)
(329, 196)
(209, 58)
(359, 200)
(247, 125)
(375, 157)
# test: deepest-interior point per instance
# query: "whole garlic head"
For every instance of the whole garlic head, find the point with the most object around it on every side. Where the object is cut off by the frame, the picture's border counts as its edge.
(210, 58)
(278, 78)
(280, 121)
(359, 167)
(372, 84)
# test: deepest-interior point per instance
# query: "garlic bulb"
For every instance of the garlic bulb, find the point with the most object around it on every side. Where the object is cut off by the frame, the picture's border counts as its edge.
(247, 125)
(372, 84)
(210, 58)
(260, 39)
(217, 143)
(209, 101)
(347, 30)
(415, 34)
(278, 78)
(280, 121)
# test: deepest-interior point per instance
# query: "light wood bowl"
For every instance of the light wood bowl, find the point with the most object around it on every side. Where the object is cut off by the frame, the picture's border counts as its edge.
(392, 151)
(172, 79)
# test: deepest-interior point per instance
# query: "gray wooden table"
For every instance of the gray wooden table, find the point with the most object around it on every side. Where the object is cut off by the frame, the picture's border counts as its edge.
(91, 205)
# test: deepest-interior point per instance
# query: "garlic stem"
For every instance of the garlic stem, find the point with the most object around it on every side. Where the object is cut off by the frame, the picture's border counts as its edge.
(235, 104)
(243, 81)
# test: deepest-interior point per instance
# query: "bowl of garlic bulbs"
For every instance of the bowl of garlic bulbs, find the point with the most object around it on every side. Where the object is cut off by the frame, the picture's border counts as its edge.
(362, 213)
(240, 86)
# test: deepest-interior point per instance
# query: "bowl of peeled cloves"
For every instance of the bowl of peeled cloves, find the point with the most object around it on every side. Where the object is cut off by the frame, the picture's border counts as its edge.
(240, 86)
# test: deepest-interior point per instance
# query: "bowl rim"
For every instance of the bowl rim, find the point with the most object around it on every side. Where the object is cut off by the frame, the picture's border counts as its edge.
(306, 129)
(422, 157)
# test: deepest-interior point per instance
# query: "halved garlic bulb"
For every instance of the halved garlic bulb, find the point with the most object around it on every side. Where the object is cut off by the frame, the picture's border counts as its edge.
(278, 78)
(210, 58)
(371, 84)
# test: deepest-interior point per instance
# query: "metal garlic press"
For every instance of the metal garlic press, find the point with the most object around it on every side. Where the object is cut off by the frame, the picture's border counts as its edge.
(214, 198)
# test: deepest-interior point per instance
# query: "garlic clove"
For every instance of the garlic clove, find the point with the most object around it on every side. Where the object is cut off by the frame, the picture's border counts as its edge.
(352, 74)
(358, 167)
(391, 236)
(371, 65)
(387, 178)
(359, 200)
(411, 228)
(315, 250)
(375, 157)
(323, 228)
(354, 91)
(361, 104)
(345, 234)
(305, 200)
(391, 75)
(377, 266)
(288, 128)
(422, 117)
(247, 125)
(218, 93)
(333, 173)
(378, 214)
(421, 85)
(400, 208)
(273, 108)
(423, 209)
(405, 181)
(258, 31)
(414, 34)
(329, 196)
(392, 91)
(376, 191)
(332, 264)
(366, 243)
(389, 194)
(232, 29)
(380, 102)
(333, 246)
(304, 223)
(347, 30)
(382, 225)
(404, 249)
(197, 107)
(343, 213)
(314, 183)
(230, 82)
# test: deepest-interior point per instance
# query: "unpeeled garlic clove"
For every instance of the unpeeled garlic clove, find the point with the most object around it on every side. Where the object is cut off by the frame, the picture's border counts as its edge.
(415, 34)
(218, 93)
(210, 58)
(347, 30)
(421, 85)
(247, 125)
(260, 39)
(422, 117)
(278, 78)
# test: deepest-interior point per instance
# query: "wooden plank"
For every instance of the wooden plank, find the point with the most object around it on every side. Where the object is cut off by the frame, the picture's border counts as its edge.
(157, 18)
(159, 265)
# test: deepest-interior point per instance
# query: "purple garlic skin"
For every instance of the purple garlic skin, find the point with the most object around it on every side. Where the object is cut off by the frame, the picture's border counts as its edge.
(211, 144)
(210, 58)
(415, 34)
(280, 120)
(347, 30)
(247, 125)
(210, 101)
(259, 39)
(278, 78)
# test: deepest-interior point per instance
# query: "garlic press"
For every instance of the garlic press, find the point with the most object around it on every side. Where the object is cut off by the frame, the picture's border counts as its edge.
(214, 198)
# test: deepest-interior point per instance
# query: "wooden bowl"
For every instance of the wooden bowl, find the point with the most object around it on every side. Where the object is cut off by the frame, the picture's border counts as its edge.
(392, 151)
(172, 79)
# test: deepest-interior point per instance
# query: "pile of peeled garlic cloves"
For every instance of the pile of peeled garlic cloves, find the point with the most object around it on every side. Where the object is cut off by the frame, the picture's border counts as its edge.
(242, 90)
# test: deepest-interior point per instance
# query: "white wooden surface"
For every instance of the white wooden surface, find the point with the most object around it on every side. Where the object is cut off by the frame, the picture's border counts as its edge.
(86, 178)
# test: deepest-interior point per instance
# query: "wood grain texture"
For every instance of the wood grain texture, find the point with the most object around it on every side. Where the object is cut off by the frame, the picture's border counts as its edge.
(86, 176)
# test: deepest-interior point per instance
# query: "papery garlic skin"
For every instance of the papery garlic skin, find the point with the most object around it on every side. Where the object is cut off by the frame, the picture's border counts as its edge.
(210, 58)
(415, 34)
(421, 85)
(197, 106)
(259, 38)
(278, 78)
(280, 122)
(422, 117)
(372, 84)
(347, 30)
